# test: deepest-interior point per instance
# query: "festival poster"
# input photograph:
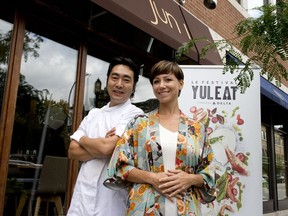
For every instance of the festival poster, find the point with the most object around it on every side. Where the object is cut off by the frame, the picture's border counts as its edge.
(233, 125)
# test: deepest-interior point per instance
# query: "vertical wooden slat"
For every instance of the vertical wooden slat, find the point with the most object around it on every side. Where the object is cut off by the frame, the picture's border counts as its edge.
(9, 101)
(77, 118)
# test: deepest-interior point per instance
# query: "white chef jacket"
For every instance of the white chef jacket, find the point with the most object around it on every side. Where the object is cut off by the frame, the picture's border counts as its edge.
(90, 196)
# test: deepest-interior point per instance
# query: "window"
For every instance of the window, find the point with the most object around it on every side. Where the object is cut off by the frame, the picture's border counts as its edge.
(281, 165)
(263, 134)
(251, 5)
(265, 165)
(40, 125)
(5, 39)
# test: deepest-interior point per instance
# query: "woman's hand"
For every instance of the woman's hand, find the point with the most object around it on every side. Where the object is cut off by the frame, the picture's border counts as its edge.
(155, 180)
(146, 177)
(176, 182)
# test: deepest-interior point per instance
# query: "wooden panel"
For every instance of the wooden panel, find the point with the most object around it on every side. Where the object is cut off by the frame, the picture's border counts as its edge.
(77, 118)
(9, 101)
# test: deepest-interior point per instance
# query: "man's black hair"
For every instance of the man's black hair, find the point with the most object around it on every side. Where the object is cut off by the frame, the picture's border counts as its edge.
(127, 62)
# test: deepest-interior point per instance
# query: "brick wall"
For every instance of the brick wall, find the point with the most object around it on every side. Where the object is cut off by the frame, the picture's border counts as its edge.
(222, 19)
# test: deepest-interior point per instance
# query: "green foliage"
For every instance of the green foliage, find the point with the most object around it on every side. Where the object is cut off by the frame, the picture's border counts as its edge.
(245, 72)
(31, 45)
(264, 39)
(4, 47)
(26, 92)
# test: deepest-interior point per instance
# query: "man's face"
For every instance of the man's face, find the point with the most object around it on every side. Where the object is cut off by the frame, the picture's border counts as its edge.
(120, 84)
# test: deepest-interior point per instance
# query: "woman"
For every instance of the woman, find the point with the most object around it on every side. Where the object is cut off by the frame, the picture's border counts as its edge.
(159, 156)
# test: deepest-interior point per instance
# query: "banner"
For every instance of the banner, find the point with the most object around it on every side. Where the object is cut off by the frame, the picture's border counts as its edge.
(233, 125)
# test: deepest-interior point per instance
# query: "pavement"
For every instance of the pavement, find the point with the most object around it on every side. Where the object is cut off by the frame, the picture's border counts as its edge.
(278, 213)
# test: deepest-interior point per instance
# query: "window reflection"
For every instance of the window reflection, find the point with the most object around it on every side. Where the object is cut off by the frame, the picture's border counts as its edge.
(252, 8)
(5, 39)
(265, 165)
(144, 97)
(281, 165)
(42, 99)
(41, 117)
(96, 75)
(95, 94)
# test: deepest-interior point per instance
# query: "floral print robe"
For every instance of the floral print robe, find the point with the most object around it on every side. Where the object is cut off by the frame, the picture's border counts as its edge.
(140, 147)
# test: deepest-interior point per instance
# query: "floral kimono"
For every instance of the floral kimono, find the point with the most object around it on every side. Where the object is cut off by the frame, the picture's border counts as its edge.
(140, 147)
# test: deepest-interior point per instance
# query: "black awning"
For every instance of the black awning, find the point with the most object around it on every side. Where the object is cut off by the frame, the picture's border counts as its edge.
(166, 21)
(274, 93)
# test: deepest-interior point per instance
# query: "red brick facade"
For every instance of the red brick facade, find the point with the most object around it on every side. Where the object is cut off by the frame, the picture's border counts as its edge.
(222, 19)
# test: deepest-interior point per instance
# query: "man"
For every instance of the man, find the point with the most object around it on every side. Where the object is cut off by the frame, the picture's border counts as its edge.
(94, 142)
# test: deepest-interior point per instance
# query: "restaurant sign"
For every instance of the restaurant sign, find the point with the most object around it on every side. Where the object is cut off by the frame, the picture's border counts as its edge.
(166, 21)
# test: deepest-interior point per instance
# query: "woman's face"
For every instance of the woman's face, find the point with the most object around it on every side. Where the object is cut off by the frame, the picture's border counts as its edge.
(166, 87)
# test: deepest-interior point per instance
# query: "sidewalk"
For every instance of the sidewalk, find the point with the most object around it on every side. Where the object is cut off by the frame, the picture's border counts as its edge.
(279, 213)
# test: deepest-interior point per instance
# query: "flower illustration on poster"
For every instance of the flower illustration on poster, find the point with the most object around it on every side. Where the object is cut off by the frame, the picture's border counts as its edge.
(229, 117)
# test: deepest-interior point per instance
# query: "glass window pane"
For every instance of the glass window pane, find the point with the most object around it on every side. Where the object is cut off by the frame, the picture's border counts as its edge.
(96, 72)
(281, 165)
(5, 40)
(41, 118)
(252, 5)
(144, 97)
(265, 165)
(96, 75)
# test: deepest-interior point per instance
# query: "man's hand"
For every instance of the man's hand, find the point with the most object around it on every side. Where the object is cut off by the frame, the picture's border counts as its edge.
(90, 148)
(111, 132)
(99, 147)
(77, 152)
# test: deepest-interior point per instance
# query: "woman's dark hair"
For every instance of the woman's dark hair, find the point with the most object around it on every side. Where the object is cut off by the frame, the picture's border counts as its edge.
(127, 62)
(166, 67)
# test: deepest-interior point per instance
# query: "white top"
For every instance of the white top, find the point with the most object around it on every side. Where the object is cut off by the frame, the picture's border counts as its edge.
(168, 140)
(90, 197)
